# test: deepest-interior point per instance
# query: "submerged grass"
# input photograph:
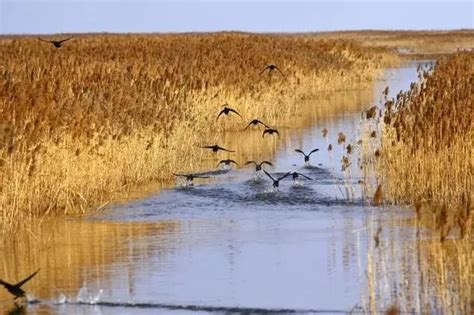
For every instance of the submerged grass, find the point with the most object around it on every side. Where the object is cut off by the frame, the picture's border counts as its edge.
(105, 113)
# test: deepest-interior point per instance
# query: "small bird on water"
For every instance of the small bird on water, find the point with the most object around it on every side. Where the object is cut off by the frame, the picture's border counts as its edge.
(276, 182)
(215, 148)
(16, 289)
(306, 156)
(56, 43)
(258, 166)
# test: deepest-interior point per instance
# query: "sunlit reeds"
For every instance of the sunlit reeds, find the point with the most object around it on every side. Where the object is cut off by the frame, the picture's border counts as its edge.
(108, 112)
(428, 137)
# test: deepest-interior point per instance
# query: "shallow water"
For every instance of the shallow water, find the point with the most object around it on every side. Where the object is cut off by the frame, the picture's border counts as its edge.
(229, 244)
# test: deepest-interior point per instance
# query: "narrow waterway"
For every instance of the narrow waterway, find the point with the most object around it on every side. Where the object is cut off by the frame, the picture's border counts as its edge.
(232, 243)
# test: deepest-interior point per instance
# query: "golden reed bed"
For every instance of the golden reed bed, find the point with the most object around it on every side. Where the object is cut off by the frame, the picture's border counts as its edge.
(428, 143)
(105, 113)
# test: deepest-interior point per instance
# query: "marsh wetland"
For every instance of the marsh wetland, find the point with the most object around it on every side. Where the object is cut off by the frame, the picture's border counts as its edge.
(233, 244)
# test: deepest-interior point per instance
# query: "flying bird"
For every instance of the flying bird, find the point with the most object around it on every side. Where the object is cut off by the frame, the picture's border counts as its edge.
(16, 289)
(271, 67)
(56, 43)
(296, 175)
(227, 162)
(270, 131)
(215, 148)
(255, 122)
(226, 111)
(258, 166)
(306, 156)
(276, 182)
(190, 177)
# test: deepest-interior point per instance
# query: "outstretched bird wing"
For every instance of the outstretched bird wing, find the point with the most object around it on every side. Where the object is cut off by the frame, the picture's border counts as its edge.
(179, 174)
(22, 282)
(299, 151)
(304, 176)
(64, 40)
(234, 111)
(268, 174)
(266, 162)
(315, 150)
(280, 178)
(220, 113)
(248, 125)
(266, 67)
(262, 123)
(232, 161)
(224, 149)
(201, 176)
(278, 69)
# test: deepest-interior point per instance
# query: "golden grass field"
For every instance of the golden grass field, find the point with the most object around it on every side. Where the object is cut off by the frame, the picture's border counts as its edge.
(106, 113)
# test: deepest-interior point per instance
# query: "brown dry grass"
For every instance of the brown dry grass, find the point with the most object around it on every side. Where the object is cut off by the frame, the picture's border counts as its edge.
(410, 43)
(105, 113)
(428, 137)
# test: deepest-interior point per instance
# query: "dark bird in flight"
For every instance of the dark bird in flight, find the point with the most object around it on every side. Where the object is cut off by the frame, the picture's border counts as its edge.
(258, 166)
(15, 289)
(271, 67)
(276, 182)
(56, 43)
(306, 156)
(255, 122)
(226, 111)
(296, 175)
(270, 131)
(190, 177)
(227, 162)
(215, 148)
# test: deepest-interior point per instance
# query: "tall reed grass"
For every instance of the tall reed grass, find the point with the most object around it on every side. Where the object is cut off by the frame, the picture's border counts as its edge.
(105, 113)
(427, 140)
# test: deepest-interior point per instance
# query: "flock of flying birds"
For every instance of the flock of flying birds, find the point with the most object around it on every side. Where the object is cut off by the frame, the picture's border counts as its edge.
(227, 111)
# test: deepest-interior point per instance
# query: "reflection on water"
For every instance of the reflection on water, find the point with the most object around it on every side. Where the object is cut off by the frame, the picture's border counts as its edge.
(232, 244)
(73, 252)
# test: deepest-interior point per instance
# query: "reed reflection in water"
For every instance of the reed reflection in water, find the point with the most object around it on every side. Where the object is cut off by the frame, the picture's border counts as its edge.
(65, 250)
